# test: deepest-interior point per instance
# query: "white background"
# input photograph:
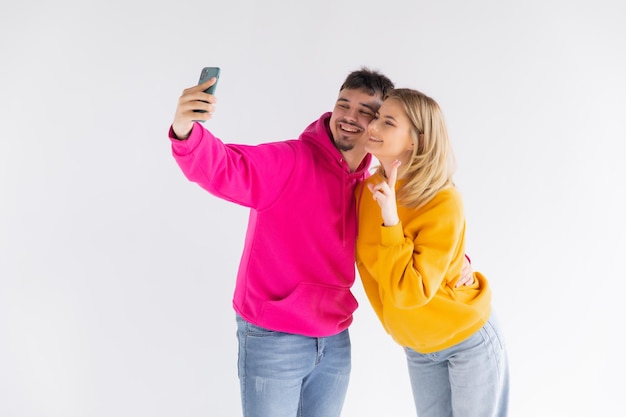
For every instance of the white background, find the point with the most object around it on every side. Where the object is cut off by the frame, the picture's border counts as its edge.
(116, 273)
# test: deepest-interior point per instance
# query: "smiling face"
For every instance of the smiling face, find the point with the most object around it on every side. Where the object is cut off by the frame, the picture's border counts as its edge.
(390, 134)
(353, 111)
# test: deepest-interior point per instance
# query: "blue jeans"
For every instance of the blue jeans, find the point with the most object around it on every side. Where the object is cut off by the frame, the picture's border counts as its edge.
(288, 375)
(470, 379)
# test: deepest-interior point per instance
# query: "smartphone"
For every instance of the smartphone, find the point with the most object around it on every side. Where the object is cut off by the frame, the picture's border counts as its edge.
(208, 73)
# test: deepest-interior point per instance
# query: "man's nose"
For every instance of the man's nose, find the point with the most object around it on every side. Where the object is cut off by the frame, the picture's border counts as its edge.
(352, 114)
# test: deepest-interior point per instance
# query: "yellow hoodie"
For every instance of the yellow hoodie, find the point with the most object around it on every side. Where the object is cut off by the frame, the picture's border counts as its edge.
(409, 271)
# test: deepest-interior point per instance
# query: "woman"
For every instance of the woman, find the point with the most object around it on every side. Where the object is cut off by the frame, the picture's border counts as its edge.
(410, 253)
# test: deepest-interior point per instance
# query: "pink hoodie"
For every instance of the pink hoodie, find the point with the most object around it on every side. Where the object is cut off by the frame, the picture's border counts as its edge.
(297, 265)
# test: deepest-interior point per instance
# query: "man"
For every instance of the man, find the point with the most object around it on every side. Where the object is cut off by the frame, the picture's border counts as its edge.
(292, 297)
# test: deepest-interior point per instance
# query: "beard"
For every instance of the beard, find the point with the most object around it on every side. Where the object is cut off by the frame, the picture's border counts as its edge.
(344, 145)
(345, 142)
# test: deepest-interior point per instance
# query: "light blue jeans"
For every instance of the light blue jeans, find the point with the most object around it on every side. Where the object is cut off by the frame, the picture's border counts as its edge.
(470, 379)
(288, 375)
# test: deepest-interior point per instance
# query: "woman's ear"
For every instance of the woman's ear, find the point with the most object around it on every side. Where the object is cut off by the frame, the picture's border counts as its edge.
(411, 144)
(420, 141)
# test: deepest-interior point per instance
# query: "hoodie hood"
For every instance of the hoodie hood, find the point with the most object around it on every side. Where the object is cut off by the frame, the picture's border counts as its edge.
(318, 134)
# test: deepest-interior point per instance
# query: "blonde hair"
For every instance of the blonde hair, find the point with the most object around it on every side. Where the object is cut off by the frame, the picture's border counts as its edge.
(432, 163)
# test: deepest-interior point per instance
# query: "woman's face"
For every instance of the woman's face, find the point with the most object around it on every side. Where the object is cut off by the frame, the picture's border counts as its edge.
(390, 133)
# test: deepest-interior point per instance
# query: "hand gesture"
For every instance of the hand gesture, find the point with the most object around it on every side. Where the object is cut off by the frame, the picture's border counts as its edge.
(385, 194)
(193, 105)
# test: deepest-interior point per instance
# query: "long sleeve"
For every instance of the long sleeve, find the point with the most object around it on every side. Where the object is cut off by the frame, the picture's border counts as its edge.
(409, 272)
(414, 268)
(252, 176)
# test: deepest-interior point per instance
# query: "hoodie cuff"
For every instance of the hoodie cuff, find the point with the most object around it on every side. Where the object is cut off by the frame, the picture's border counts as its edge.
(392, 235)
(186, 146)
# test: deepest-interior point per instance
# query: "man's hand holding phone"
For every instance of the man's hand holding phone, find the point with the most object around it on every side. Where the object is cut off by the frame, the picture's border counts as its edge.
(195, 104)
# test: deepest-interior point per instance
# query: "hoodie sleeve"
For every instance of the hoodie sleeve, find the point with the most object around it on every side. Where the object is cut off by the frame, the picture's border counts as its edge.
(252, 176)
(415, 266)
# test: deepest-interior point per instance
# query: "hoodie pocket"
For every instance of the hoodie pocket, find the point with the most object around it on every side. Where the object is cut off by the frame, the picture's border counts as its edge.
(311, 310)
